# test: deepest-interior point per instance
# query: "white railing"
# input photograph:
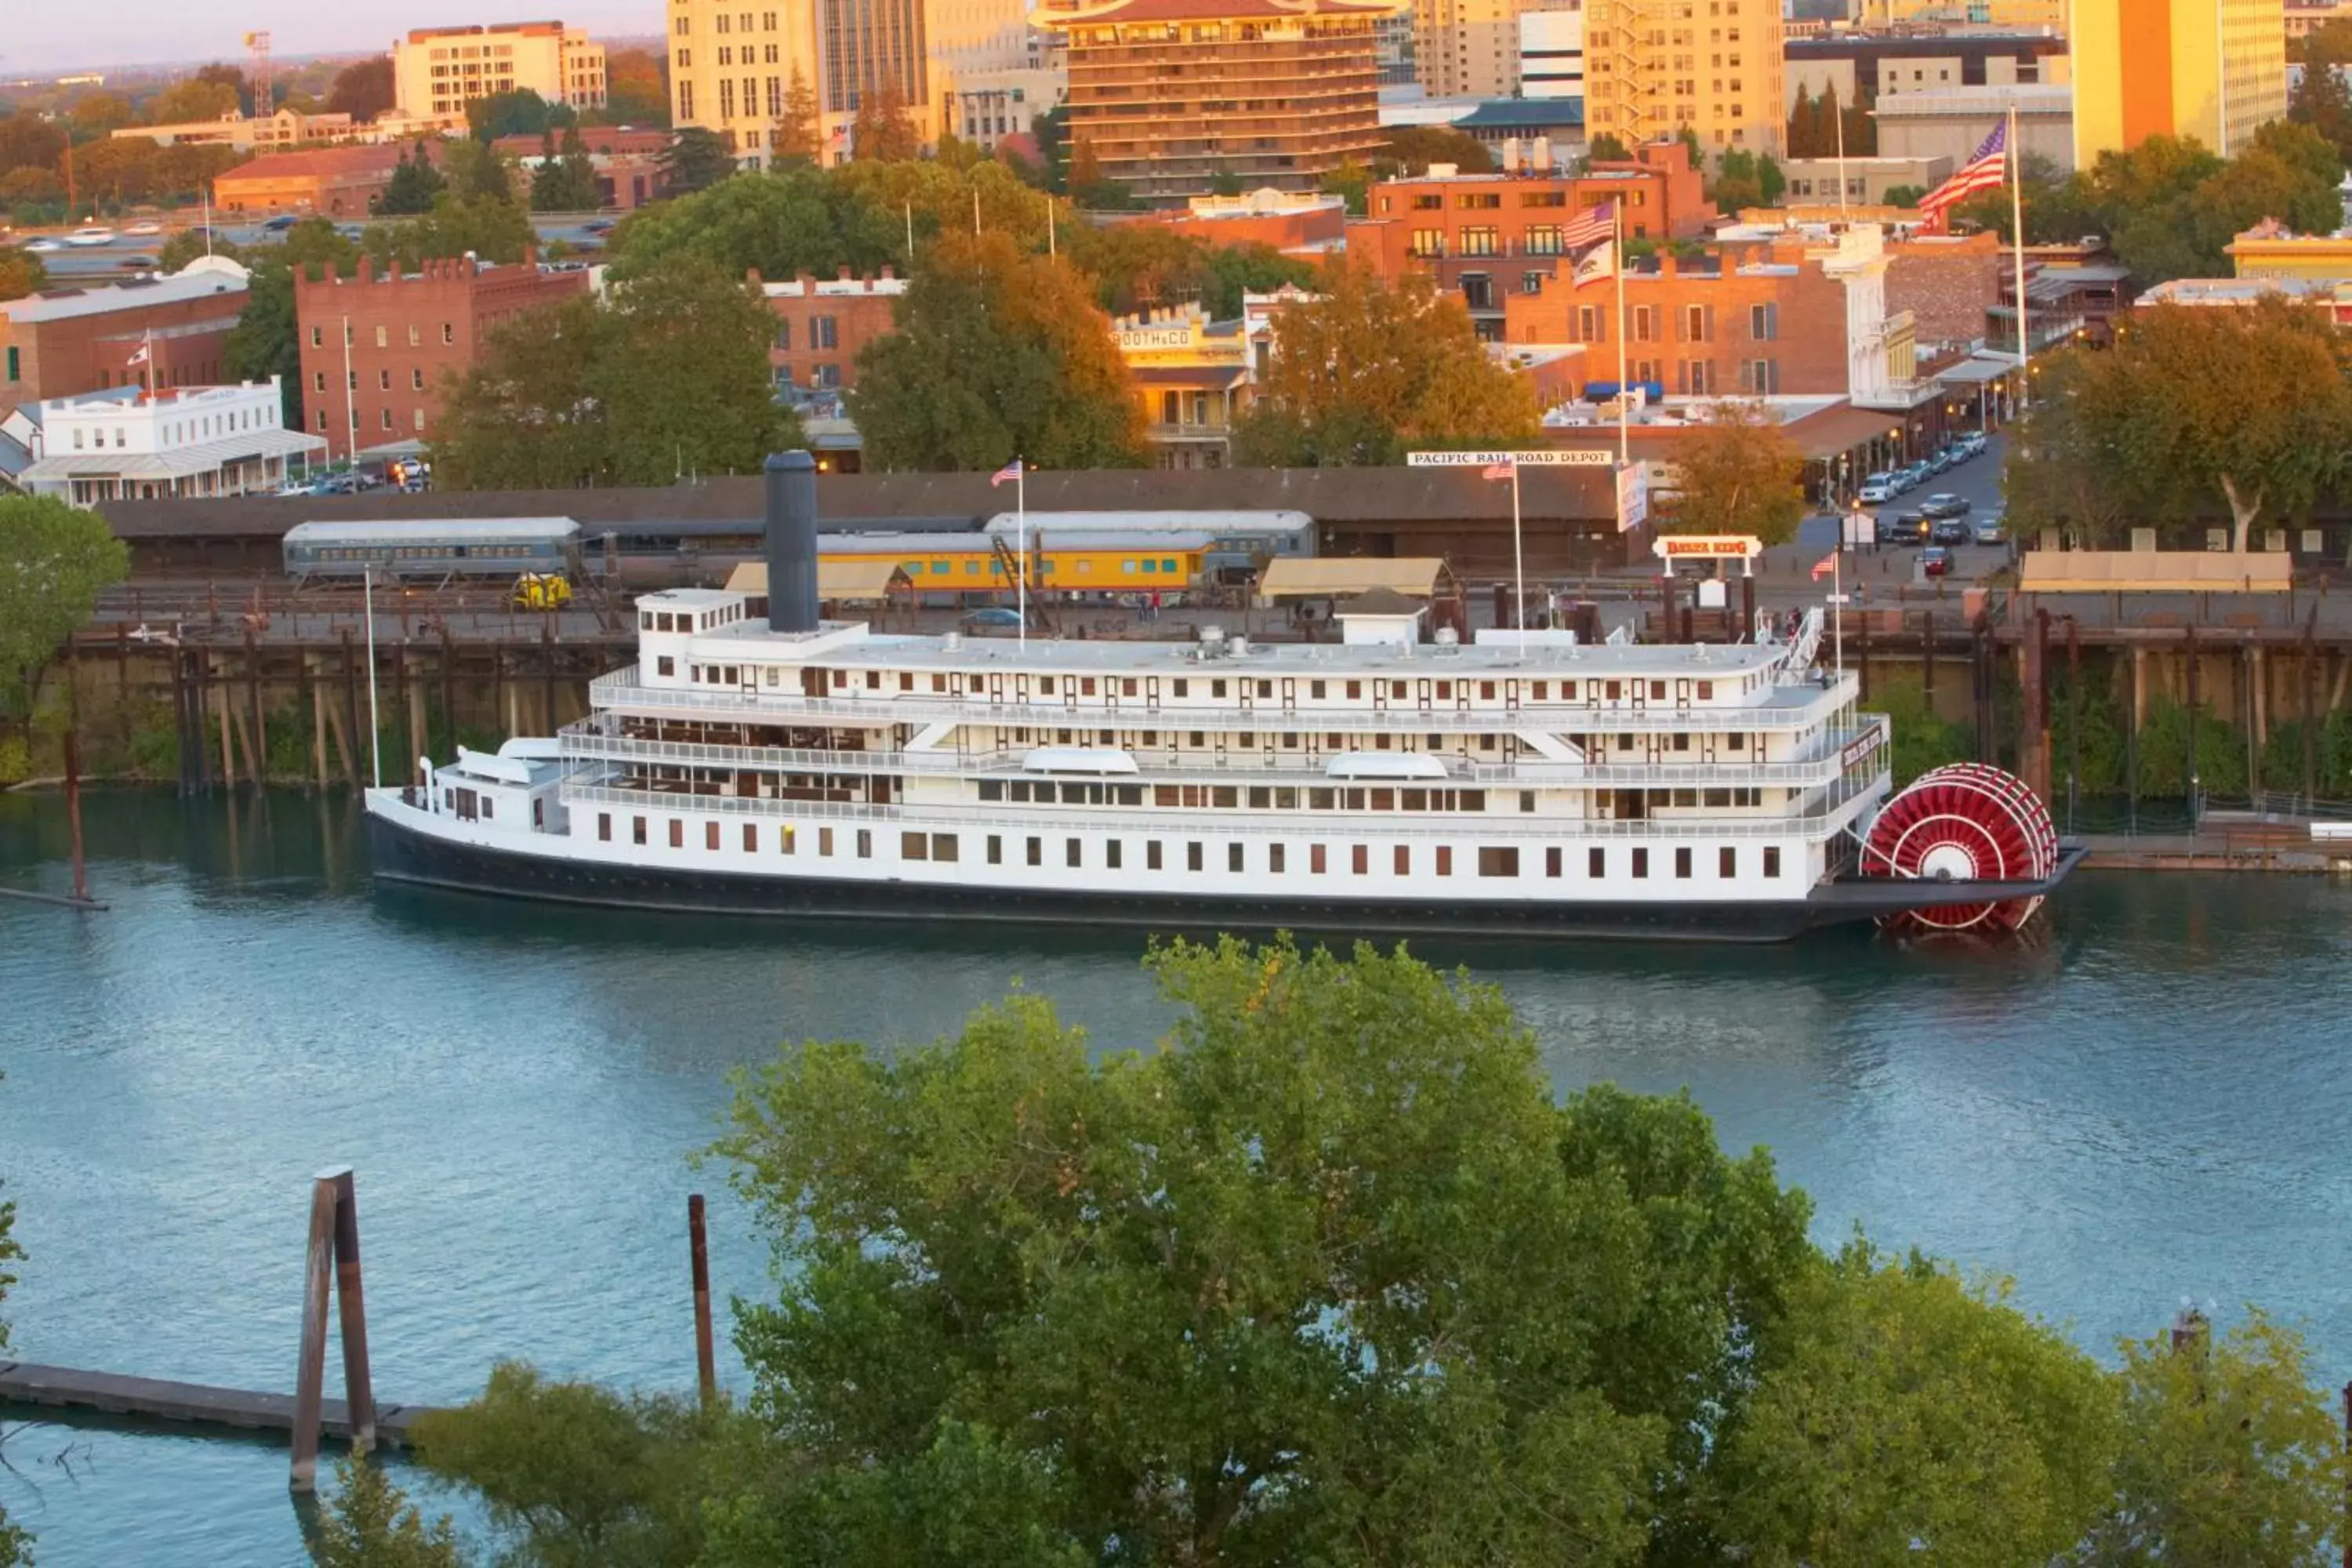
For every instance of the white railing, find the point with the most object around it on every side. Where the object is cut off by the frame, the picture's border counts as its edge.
(1821, 818)
(1286, 768)
(1790, 706)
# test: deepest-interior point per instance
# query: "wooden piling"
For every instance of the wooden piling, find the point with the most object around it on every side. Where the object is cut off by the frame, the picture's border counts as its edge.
(359, 1389)
(311, 1370)
(258, 756)
(705, 1361)
(352, 755)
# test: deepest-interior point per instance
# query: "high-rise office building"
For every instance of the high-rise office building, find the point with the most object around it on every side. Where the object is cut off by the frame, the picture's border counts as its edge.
(1170, 94)
(2213, 70)
(1466, 48)
(1654, 67)
(731, 68)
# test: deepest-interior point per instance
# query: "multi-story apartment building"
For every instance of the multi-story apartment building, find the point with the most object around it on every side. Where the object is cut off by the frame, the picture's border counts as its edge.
(2036, 16)
(1466, 48)
(2304, 17)
(730, 68)
(375, 348)
(1488, 235)
(436, 71)
(1171, 94)
(2213, 70)
(1654, 67)
(158, 333)
(266, 132)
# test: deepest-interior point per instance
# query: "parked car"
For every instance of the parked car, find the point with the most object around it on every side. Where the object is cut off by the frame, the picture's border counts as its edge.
(1945, 504)
(1936, 562)
(1990, 530)
(279, 223)
(1903, 527)
(1951, 531)
(994, 618)
(1915, 476)
(1972, 445)
(1938, 461)
(1878, 490)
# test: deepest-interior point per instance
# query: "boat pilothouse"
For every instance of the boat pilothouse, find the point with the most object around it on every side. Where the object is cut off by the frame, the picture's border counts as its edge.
(784, 763)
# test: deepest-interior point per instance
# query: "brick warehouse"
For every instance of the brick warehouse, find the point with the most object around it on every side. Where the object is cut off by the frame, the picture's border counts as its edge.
(59, 344)
(823, 324)
(375, 349)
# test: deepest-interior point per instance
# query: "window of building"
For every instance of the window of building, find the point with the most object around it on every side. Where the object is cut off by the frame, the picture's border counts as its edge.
(1427, 242)
(750, 837)
(1192, 857)
(416, 379)
(1114, 854)
(825, 841)
(637, 830)
(605, 827)
(318, 340)
(1445, 860)
(995, 850)
(677, 833)
(1073, 852)
(1403, 861)
(1499, 862)
(914, 846)
(1683, 863)
(865, 843)
(823, 333)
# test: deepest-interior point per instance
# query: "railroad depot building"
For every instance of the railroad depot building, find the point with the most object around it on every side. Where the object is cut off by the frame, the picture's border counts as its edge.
(322, 181)
(376, 348)
(182, 442)
(166, 332)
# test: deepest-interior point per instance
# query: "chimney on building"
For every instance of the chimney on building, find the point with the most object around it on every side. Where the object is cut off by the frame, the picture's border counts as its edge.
(751, 276)
(1539, 161)
(792, 541)
(1510, 154)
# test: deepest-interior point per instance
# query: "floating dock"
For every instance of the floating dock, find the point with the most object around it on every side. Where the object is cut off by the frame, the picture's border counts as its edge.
(194, 1404)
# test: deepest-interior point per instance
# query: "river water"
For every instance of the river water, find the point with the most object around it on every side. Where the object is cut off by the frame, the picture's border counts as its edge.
(2149, 1102)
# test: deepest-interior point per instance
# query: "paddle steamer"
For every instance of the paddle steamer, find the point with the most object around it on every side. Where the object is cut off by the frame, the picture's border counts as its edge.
(760, 759)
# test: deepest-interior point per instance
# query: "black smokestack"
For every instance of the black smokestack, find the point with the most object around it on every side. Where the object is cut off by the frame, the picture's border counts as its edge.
(792, 541)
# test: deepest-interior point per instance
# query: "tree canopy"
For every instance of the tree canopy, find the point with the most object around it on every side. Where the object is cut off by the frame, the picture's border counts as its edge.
(413, 185)
(194, 99)
(55, 560)
(2245, 413)
(517, 112)
(695, 160)
(368, 1523)
(1037, 373)
(798, 139)
(565, 181)
(363, 88)
(21, 273)
(1367, 368)
(1411, 149)
(669, 376)
(882, 131)
(636, 88)
(1739, 474)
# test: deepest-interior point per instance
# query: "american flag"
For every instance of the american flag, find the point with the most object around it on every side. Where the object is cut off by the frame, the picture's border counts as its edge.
(1984, 171)
(1005, 475)
(1825, 565)
(1592, 226)
(1502, 470)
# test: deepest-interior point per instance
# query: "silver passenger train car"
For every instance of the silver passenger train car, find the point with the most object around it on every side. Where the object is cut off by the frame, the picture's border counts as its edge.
(432, 550)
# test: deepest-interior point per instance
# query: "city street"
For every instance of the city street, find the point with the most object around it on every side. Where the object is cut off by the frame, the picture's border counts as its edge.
(1975, 481)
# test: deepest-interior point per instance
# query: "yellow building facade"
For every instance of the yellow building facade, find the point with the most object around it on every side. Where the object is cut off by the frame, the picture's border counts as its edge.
(438, 71)
(1653, 67)
(2270, 250)
(730, 68)
(2212, 69)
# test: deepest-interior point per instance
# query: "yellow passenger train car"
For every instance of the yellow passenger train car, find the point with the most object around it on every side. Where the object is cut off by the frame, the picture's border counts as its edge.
(963, 564)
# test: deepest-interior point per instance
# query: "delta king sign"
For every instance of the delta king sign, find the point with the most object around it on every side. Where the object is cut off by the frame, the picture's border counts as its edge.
(1708, 546)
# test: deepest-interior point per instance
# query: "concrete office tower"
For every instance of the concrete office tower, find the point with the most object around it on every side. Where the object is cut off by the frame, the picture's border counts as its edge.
(2213, 70)
(731, 67)
(1654, 67)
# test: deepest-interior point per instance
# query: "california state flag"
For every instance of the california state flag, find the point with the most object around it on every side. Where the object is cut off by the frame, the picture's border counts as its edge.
(1596, 265)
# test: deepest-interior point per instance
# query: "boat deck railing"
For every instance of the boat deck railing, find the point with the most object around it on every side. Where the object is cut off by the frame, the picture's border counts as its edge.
(1786, 708)
(1823, 815)
(590, 739)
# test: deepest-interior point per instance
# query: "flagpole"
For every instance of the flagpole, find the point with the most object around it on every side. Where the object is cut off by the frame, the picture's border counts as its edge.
(350, 406)
(2017, 226)
(1020, 524)
(1837, 604)
(1518, 568)
(375, 724)
(1624, 389)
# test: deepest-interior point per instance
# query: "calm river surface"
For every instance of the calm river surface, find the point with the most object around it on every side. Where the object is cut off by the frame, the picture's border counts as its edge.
(2151, 1102)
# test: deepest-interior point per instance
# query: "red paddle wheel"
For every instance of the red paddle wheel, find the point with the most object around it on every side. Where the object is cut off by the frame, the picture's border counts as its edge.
(1965, 823)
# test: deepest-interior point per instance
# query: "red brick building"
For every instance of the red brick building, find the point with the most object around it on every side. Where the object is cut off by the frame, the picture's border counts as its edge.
(1488, 235)
(375, 350)
(821, 325)
(330, 182)
(1305, 225)
(63, 343)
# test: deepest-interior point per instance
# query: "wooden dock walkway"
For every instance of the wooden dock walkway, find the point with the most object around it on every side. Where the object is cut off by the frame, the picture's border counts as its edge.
(194, 1404)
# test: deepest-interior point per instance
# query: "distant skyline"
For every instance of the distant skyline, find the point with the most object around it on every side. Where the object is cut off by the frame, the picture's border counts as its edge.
(156, 34)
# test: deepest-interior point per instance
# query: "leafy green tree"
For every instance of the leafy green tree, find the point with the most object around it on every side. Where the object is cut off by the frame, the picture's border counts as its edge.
(55, 560)
(517, 112)
(193, 100)
(1411, 149)
(190, 244)
(1737, 184)
(2330, 42)
(491, 229)
(2230, 1454)
(370, 1524)
(363, 88)
(1924, 740)
(564, 183)
(636, 88)
(473, 171)
(267, 341)
(1901, 1411)
(1038, 373)
(574, 1475)
(695, 160)
(1607, 149)
(1351, 181)
(882, 133)
(670, 376)
(28, 141)
(1904, 195)
(1739, 474)
(1771, 179)
(414, 182)
(97, 113)
(21, 273)
(1369, 368)
(1251, 269)
(2194, 409)
(794, 220)
(798, 138)
(2322, 101)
